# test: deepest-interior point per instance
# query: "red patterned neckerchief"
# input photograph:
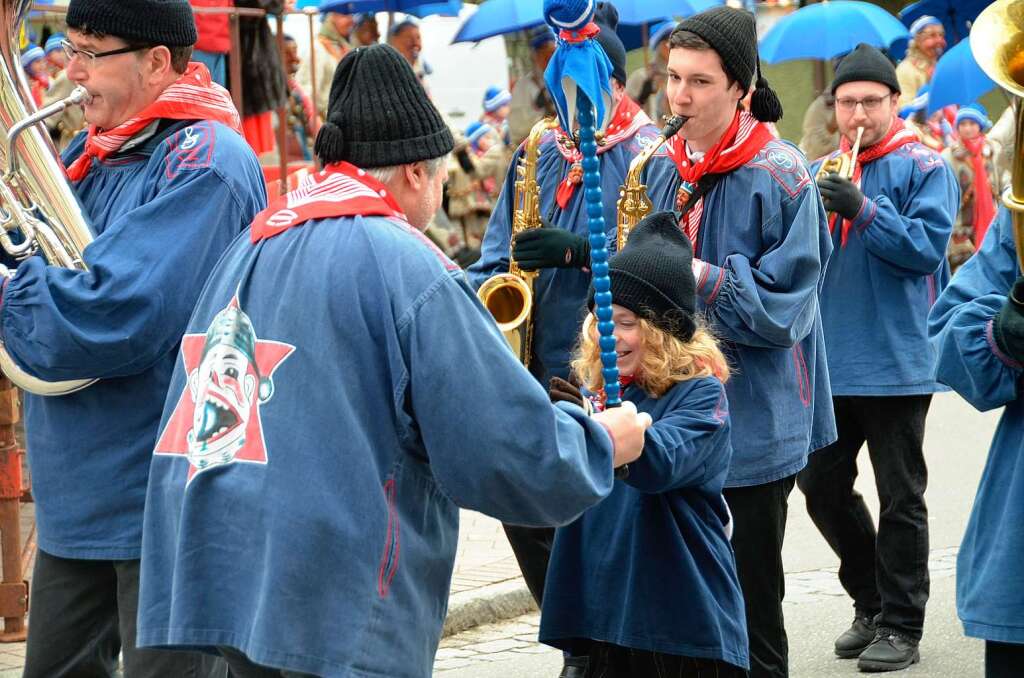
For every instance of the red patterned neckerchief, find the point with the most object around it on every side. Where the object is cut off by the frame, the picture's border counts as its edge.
(339, 190)
(984, 206)
(194, 96)
(897, 137)
(741, 142)
(625, 123)
(599, 400)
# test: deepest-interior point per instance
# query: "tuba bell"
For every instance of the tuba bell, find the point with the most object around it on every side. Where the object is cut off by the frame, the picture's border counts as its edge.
(634, 203)
(35, 198)
(508, 297)
(997, 41)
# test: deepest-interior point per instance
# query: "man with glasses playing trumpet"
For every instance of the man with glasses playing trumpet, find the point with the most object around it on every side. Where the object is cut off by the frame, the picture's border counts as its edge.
(166, 182)
(892, 202)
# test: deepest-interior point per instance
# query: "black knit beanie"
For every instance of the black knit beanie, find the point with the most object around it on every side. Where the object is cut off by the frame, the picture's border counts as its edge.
(149, 22)
(378, 114)
(866, 63)
(733, 34)
(653, 276)
(607, 19)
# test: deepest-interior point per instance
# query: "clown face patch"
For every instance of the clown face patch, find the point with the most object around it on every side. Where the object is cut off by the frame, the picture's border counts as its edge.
(230, 375)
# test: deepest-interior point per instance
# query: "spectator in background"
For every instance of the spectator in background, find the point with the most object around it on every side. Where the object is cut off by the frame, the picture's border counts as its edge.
(646, 85)
(496, 108)
(530, 99)
(214, 39)
(366, 32)
(335, 31)
(926, 46)
(934, 131)
(1004, 133)
(33, 60)
(820, 131)
(302, 124)
(973, 159)
(56, 60)
(475, 174)
(405, 37)
(263, 82)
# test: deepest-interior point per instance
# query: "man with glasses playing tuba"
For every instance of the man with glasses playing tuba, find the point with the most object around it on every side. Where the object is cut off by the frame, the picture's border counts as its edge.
(892, 202)
(167, 183)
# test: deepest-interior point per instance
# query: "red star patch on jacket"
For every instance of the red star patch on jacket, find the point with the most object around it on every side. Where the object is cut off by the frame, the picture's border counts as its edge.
(230, 375)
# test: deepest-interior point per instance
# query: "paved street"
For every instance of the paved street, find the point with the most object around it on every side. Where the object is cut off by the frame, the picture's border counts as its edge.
(816, 607)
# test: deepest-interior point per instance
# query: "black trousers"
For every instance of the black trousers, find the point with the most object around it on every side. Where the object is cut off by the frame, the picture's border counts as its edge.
(1003, 660)
(759, 516)
(82, 615)
(239, 666)
(614, 661)
(885, 571)
(532, 547)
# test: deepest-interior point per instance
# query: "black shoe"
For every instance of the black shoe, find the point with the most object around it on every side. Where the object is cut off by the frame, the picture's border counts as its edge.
(889, 651)
(574, 667)
(853, 640)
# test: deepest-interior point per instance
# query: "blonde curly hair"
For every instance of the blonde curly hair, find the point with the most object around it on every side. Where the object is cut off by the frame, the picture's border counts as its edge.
(667, 359)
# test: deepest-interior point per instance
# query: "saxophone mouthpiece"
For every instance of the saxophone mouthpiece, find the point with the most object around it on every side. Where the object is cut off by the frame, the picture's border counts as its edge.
(673, 125)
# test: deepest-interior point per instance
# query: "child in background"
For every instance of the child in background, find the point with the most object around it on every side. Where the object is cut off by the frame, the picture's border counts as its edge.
(644, 583)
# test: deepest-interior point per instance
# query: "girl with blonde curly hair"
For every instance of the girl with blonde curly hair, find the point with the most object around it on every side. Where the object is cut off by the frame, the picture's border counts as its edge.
(644, 583)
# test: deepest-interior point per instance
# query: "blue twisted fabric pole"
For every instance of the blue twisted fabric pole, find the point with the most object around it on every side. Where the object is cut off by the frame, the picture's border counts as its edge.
(578, 79)
(598, 251)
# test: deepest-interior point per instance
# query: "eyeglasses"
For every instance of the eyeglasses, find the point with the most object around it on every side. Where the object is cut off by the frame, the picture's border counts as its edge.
(869, 103)
(70, 51)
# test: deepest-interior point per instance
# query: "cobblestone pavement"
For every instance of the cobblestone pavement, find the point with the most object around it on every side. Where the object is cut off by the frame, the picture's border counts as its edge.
(484, 556)
(506, 641)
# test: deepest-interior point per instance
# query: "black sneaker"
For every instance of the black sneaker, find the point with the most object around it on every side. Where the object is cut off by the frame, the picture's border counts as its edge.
(889, 651)
(853, 640)
(574, 667)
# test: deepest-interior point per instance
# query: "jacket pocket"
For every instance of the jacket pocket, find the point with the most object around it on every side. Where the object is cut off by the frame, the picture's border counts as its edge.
(389, 559)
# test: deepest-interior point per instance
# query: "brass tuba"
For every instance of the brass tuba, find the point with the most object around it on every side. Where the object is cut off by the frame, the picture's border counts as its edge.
(634, 203)
(509, 296)
(35, 199)
(997, 41)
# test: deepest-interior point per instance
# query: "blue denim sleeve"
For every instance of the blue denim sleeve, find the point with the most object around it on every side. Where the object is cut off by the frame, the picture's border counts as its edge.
(131, 306)
(960, 323)
(496, 443)
(911, 238)
(771, 302)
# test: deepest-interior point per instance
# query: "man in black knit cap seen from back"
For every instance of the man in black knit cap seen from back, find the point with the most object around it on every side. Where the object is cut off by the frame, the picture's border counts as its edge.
(341, 393)
(749, 206)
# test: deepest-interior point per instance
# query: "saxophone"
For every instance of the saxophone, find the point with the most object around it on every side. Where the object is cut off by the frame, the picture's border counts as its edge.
(35, 199)
(634, 203)
(509, 296)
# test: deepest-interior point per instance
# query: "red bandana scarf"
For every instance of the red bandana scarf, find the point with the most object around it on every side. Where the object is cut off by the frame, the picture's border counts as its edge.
(193, 97)
(625, 123)
(898, 136)
(984, 209)
(339, 190)
(741, 142)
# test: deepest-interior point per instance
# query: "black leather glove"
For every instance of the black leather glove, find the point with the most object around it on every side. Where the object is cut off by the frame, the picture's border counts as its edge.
(840, 195)
(1008, 328)
(550, 247)
(561, 390)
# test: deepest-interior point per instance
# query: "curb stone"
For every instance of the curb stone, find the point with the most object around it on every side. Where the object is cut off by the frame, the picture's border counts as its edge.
(486, 605)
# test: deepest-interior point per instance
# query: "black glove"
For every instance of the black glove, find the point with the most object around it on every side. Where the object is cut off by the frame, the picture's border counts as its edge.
(1008, 328)
(550, 247)
(561, 390)
(840, 195)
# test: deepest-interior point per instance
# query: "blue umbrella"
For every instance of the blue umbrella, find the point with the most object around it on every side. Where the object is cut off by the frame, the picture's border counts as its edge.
(420, 8)
(958, 78)
(497, 17)
(955, 15)
(828, 29)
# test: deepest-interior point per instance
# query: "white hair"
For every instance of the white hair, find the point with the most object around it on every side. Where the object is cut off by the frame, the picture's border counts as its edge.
(386, 174)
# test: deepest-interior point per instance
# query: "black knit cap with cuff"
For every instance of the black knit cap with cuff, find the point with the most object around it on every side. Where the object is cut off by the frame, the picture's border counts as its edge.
(147, 22)
(653, 276)
(733, 34)
(866, 64)
(607, 19)
(378, 114)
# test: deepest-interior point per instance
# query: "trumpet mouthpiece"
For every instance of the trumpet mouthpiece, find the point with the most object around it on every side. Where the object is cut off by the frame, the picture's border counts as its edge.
(79, 95)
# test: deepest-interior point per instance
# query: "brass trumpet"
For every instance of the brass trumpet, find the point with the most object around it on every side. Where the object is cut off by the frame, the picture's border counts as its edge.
(508, 297)
(842, 164)
(634, 203)
(997, 41)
